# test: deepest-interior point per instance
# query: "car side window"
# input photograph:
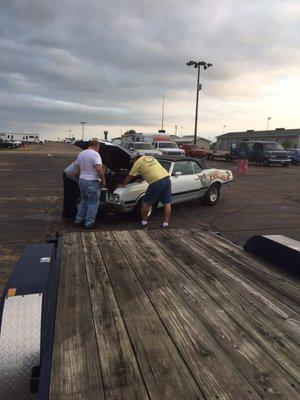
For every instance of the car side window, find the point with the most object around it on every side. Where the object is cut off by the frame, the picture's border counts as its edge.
(259, 147)
(197, 168)
(185, 167)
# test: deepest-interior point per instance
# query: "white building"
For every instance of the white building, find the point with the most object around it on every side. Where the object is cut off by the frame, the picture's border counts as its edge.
(202, 142)
(289, 138)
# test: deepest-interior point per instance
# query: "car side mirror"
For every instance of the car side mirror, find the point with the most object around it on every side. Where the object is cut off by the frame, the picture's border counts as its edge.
(178, 173)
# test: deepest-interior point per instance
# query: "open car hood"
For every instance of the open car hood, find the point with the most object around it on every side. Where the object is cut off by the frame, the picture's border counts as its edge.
(113, 156)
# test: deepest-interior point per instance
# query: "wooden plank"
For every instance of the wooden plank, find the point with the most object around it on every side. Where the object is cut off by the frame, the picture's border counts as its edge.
(215, 277)
(165, 374)
(204, 357)
(122, 379)
(278, 284)
(198, 289)
(76, 372)
(285, 317)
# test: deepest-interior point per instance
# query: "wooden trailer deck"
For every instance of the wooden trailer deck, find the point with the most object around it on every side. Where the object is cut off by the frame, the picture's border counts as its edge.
(172, 314)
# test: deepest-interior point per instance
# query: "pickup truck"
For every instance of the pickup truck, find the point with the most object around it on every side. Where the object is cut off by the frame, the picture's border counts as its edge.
(143, 148)
(168, 148)
(264, 153)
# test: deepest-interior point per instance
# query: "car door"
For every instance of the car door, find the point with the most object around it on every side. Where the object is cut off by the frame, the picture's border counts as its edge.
(258, 153)
(186, 184)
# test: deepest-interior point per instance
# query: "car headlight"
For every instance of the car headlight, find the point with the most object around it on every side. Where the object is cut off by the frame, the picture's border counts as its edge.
(113, 198)
(116, 198)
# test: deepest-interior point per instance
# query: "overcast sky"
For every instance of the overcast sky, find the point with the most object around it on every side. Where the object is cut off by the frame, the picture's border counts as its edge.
(110, 62)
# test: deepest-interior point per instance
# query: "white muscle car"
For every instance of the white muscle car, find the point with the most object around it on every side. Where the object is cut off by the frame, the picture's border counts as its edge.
(189, 176)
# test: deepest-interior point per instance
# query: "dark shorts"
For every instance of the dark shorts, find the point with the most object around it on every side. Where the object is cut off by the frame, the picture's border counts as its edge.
(159, 191)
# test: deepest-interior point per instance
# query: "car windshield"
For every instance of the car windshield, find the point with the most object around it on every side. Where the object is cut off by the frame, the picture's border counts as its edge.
(165, 164)
(143, 146)
(168, 145)
(273, 146)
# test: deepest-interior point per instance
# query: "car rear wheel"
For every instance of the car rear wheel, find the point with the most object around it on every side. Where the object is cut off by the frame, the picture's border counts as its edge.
(266, 163)
(212, 195)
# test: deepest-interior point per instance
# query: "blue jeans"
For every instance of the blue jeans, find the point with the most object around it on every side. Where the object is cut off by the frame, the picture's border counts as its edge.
(89, 202)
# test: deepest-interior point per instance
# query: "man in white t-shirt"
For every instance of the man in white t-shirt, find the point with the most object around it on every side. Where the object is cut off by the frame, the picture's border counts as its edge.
(91, 175)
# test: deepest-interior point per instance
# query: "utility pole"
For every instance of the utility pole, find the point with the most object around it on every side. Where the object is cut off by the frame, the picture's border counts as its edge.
(69, 130)
(268, 123)
(198, 65)
(82, 126)
(224, 126)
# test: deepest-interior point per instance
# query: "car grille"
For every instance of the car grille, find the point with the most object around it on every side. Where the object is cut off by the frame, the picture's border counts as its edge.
(281, 157)
(173, 153)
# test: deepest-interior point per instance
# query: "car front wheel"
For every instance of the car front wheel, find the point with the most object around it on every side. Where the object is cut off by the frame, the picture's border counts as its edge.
(212, 195)
(137, 211)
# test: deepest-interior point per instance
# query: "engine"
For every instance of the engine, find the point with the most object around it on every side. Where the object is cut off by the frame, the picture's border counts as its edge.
(115, 178)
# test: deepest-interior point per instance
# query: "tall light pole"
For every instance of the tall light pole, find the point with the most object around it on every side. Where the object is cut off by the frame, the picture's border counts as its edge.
(82, 126)
(268, 123)
(163, 113)
(198, 65)
(224, 126)
(69, 130)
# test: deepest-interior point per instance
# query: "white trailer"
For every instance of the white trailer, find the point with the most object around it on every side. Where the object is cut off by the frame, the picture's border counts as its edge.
(27, 137)
(144, 137)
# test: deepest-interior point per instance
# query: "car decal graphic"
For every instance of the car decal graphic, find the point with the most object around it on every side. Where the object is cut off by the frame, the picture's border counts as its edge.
(222, 175)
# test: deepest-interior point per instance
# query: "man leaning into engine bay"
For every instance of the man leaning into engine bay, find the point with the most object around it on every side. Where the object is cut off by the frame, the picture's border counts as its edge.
(159, 188)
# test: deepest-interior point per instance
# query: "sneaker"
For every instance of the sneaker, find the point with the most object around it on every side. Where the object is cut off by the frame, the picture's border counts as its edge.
(163, 226)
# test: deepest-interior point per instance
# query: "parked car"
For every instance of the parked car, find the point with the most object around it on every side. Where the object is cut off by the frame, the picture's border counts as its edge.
(190, 180)
(168, 148)
(193, 150)
(265, 153)
(144, 148)
(295, 153)
(16, 143)
(4, 144)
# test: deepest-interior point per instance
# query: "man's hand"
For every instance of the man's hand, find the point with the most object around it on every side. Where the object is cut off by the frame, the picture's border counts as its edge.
(101, 174)
(127, 180)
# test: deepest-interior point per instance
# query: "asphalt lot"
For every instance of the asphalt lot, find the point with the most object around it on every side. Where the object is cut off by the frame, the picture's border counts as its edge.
(266, 201)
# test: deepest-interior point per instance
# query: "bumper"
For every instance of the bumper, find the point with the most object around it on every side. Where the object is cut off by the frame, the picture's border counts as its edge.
(117, 208)
(277, 161)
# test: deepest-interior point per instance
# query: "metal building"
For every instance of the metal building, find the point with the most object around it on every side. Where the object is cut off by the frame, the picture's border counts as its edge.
(289, 138)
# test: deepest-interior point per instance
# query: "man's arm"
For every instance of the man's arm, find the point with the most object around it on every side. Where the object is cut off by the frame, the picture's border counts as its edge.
(100, 171)
(77, 173)
(128, 179)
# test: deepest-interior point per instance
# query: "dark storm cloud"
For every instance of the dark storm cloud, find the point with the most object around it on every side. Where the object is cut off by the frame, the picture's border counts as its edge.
(110, 62)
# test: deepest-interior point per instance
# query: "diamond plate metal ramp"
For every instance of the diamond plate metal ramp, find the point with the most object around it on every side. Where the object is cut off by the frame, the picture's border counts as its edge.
(19, 345)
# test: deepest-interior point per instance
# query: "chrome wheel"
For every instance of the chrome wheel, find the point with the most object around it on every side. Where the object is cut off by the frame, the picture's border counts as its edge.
(150, 211)
(213, 194)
